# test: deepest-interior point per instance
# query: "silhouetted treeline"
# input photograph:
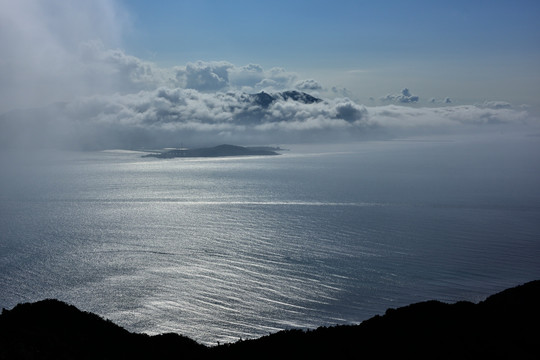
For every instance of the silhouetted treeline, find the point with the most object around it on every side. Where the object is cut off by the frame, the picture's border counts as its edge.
(504, 326)
(51, 329)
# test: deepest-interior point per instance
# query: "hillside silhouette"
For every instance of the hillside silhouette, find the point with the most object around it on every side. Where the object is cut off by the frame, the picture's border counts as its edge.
(504, 326)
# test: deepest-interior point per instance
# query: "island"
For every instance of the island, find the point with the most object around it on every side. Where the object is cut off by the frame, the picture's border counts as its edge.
(217, 151)
(503, 326)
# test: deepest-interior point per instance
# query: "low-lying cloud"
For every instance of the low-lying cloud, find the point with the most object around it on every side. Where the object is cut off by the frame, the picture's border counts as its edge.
(167, 116)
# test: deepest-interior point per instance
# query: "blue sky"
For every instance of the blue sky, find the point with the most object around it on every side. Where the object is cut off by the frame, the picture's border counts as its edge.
(343, 33)
(464, 49)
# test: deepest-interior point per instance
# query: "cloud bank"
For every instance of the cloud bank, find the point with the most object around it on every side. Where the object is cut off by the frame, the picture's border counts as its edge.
(65, 83)
(167, 116)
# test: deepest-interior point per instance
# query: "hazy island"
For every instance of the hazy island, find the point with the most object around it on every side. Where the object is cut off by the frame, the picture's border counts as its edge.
(504, 326)
(217, 151)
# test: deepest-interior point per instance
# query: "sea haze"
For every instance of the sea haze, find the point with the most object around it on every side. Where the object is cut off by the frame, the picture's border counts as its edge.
(226, 248)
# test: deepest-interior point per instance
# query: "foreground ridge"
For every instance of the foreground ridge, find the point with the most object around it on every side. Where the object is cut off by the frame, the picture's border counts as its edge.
(505, 325)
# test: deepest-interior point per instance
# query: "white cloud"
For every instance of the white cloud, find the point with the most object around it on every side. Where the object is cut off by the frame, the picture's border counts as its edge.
(404, 97)
(223, 76)
(205, 76)
(308, 85)
(247, 76)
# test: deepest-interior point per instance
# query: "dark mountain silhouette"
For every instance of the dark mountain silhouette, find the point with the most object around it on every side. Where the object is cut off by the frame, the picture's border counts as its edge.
(504, 326)
(51, 329)
(264, 99)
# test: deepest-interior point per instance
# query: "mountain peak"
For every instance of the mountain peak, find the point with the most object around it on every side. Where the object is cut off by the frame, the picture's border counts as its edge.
(264, 99)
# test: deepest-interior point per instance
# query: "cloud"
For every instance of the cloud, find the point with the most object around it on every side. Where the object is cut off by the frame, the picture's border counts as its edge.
(404, 97)
(160, 117)
(463, 117)
(205, 76)
(40, 43)
(111, 70)
(164, 116)
(222, 76)
(496, 104)
(340, 92)
(308, 85)
(281, 79)
(247, 76)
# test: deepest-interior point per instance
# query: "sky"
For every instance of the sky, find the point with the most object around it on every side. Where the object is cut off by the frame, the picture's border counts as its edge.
(138, 73)
(457, 49)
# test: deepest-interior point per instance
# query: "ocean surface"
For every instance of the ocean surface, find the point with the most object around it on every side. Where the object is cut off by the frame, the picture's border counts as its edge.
(227, 248)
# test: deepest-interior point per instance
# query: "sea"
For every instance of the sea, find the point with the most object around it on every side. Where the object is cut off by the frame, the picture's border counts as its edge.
(222, 249)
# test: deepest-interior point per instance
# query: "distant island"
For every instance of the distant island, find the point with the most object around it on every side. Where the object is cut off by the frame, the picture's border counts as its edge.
(504, 326)
(218, 151)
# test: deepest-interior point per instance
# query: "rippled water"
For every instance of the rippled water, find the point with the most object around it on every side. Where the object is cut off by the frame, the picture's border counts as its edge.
(219, 249)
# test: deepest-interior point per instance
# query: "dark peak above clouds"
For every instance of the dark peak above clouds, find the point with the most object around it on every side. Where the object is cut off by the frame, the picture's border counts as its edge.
(298, 96)
(264, 99)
